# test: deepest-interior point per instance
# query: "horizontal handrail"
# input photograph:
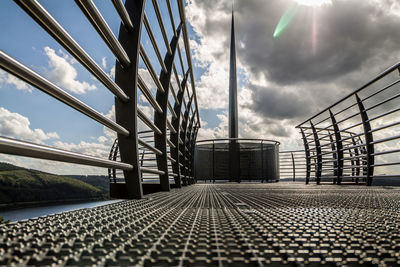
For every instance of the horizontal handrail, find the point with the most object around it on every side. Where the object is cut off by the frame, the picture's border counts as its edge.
(377, 78)
(96, 19)
(238, 139)
(123, 14)
(21, 71)
(43, 18)
(27, 149)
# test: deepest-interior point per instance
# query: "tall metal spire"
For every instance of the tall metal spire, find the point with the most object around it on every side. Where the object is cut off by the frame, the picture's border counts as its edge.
(233, 109)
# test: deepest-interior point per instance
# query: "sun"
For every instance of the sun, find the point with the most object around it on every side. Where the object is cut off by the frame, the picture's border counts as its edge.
(313, 3)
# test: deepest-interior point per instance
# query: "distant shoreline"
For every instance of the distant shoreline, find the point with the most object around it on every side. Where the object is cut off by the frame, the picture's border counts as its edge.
(20, 205)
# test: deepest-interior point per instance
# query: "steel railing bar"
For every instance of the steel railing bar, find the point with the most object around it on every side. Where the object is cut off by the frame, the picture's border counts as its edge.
(27, 149)
(386, 164)
(153, 171)
(384, 114)
(21, 71)
(178, 81)
(173, 93)
(150, 68)
(386, 152)
(149, 96)
(171, 109)
(147, 121)
(149, 147)
(145, 131)
(147, 136)
(171, 17)
(366, 98)
(384, 127)
(154, 43)
(383, 102)
(123, 14)
(170, 127)
(385, 139)
(354, 157)
(185, 35)
(96, 19)
(378, 77)
(171, 159)
(170, 143)
(44, 19)
(180, 59)
(161, 24)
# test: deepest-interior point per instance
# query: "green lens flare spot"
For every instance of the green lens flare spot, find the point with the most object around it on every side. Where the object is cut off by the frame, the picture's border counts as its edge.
(285, 20)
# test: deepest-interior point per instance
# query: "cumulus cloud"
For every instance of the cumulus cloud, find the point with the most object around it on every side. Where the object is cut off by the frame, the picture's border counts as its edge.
(6, 78)
(284, 80)
(63, 73)
(17, 126)
(112, 73)
(104, 62)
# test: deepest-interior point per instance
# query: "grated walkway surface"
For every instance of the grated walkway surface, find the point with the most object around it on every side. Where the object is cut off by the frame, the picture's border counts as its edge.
(219, 225)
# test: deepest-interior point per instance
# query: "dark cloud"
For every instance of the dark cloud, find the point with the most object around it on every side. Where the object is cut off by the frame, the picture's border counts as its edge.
(279, 104)
(348, 34)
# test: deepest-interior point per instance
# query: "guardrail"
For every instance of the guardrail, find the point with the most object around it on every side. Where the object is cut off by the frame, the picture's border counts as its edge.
(237, 159)
(356, 139)
(292, 164)
(169, 140)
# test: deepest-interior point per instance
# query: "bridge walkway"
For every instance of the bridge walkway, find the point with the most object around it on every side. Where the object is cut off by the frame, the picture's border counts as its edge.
(218, 225)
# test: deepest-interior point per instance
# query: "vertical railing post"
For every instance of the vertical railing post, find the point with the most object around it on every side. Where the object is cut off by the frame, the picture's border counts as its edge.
(335, 165)
(213, 160)
(160, 119)
(192, 149)
(183, 148)
(176, 122)
(188, 159)
(318, 170)
(126, 112)
(357, 160)
(339, 149)
(262, 161)
(368, 141)
(307, 152)
(293, 167)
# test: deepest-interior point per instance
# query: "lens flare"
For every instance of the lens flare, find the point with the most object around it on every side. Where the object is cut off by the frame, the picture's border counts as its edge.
(285, 20)
(313, 3)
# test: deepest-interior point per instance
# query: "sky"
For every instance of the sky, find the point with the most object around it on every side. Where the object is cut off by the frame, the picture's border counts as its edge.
(327, 50)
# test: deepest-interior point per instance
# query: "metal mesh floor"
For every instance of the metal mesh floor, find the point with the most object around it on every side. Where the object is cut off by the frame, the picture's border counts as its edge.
(219, 225)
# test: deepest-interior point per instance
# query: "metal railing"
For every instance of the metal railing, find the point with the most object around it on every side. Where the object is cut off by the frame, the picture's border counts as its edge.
(237, 159)
(292, 165)
(158, 152)
(356, 139)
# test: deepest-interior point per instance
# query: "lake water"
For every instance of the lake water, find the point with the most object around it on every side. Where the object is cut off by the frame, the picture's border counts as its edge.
(32, 212)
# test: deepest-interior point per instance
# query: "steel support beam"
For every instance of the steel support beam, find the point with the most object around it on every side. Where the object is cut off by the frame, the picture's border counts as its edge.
(188, 159)
(368, 141)
(183, 136)
(160, 119)
(175, 136)
(126, 112)
(339, 149)
(357, 160)
(192, 149)
(318, 170)
(307, 152)
(335, 163)
(294, 168)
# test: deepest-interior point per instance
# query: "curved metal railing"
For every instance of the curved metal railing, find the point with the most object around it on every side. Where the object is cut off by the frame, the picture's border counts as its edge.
(292, 165)
(237, 159)
(356, 139)
(152, 138)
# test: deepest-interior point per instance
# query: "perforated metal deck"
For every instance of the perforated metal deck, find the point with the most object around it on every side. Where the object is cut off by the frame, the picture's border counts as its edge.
(219, 225)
